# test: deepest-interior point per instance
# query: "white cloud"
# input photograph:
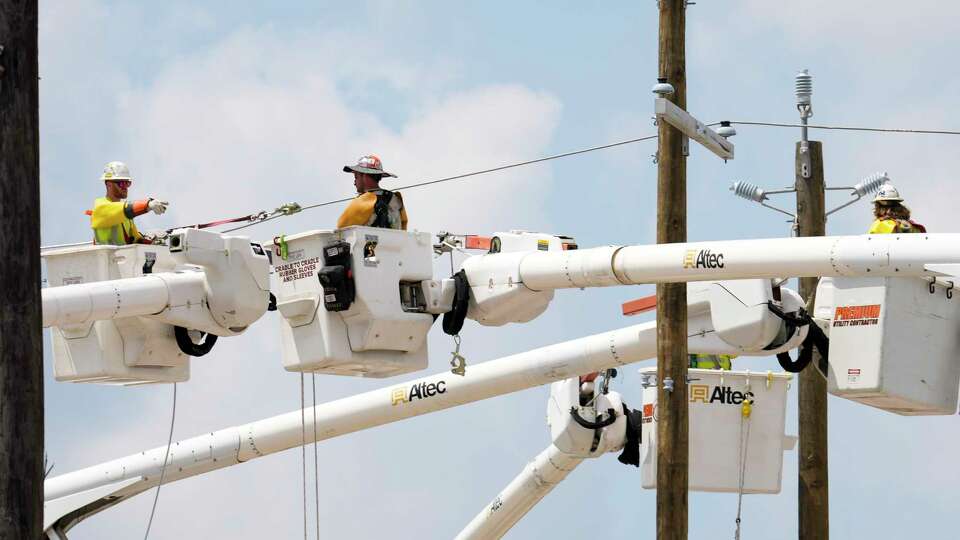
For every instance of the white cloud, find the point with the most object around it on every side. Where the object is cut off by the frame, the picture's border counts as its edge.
(261, 118)
(258, 121)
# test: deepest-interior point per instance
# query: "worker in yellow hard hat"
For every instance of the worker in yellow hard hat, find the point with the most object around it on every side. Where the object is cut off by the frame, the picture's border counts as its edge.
(112, 215)
(373, 206)
(892, 216)
(712, 361)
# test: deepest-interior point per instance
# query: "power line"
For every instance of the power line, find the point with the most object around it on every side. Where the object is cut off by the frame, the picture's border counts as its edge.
(466, 175)
(848, 128)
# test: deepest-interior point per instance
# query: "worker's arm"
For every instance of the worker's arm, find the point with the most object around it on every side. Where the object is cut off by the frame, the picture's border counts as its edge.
(109, 213)
(403, 211)
(358, 212)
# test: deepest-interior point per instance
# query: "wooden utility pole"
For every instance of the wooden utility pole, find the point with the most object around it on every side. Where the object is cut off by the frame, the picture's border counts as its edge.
(21, 350)
(672, 428)
(813, 510)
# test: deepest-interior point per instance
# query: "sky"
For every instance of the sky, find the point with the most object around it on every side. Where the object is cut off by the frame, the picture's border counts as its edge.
(226, 108)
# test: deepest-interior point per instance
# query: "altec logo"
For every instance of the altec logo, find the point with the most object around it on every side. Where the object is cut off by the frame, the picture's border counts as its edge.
(720, 394)
(422, 390)
(857, 315)
(702, 259)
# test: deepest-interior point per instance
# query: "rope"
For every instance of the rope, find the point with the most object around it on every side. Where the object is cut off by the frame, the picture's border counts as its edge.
(743, 447)
(163, 468)
(303, 455)
(848, 128)
(316, 460)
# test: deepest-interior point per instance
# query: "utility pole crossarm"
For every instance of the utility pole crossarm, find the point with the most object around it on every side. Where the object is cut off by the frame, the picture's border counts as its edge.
(693, 128)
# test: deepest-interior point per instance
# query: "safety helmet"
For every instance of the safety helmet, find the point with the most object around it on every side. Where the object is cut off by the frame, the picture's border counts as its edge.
(887, 194)
(368, 165)
(116, 170)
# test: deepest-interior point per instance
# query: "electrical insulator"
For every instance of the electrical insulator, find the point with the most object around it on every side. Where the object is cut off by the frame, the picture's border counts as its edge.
(726, 130)
(662, 88)
(871, 184)
(803, 88)
(746, 190)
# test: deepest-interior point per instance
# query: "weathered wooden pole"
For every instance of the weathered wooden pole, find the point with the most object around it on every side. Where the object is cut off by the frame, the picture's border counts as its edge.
(813, 510)
(21, 352)
(672, 427)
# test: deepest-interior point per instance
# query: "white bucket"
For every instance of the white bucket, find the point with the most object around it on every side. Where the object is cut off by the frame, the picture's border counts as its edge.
(719, 432)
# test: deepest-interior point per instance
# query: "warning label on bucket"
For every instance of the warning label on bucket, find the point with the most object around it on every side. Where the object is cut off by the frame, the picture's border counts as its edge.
(853, 375)
(297, 269)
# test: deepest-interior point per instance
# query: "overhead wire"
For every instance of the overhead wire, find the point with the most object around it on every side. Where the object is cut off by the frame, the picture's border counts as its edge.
(163, 468)
(846, 128)
(466, 175)
(263, 217)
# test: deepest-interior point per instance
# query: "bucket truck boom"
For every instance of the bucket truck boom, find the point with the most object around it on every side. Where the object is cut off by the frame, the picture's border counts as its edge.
(120, 479)
(131, 314)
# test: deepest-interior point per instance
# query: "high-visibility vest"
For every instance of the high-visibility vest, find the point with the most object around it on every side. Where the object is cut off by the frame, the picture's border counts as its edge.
(712, 361)
(895, 226)
(112, 221)
(376, 208)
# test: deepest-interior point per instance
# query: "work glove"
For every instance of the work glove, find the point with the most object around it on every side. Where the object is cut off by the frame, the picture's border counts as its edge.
(157, 207)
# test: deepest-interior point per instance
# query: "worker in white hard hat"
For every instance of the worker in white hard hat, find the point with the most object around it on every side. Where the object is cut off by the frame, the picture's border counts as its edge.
(373, 206)
(892, 216)
(112, 215)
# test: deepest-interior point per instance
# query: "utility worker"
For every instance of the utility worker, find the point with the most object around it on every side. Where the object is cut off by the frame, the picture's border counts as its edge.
(892, 216)
(112, 215)
(373, 206)
(712, 361)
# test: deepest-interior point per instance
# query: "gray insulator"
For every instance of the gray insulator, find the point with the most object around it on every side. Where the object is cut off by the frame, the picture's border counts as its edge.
(803, 87)
(662, 88)
(871, 184)
(726, 130)
(746, 190)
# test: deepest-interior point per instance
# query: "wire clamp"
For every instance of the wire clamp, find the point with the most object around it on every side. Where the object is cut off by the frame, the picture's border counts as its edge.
(288, 209)
(458, 362)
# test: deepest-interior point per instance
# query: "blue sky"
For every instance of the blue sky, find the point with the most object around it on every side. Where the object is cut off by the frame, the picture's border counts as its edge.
(224, 108)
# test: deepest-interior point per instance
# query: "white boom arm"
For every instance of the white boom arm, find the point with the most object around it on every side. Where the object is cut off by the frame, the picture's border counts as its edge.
(219, 284)
(884, 255)
(118, 298)
(536, 480)
(137, 473)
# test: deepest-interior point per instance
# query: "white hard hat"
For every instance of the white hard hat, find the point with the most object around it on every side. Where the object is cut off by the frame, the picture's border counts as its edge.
(888, 193)
(116, 170)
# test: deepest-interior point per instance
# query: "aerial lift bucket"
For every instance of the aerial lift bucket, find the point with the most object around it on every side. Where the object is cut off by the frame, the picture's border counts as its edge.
(354, 301)
(729, 452)
(894, 343)
(129, 351)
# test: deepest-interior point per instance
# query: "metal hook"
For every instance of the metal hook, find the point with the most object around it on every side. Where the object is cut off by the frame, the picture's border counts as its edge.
(932, 286)
(950, 290)
(458, 362)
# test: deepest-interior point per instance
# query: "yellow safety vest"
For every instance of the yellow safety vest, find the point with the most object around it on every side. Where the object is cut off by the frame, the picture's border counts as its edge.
(362, 211)
(892, 226)
(112, 222)
(712, 361)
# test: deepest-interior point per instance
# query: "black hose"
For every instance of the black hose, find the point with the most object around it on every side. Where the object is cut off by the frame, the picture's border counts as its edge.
(815, 338)
(631, 448)
(453, 319)
(188, 347)
(610, 419)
